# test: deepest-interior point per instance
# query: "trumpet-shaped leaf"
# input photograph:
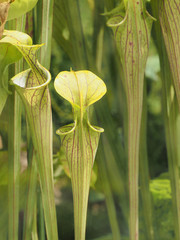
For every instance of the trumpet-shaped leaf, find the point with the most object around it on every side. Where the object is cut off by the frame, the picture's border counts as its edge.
(32, 86)
(8, 55)
(132, 34)
(80, 139)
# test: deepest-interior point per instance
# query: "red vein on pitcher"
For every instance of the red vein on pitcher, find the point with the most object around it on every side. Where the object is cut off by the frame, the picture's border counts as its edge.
(79, 140)
(132, 35)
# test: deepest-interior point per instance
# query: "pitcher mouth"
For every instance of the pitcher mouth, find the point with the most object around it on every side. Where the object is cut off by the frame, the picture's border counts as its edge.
(22, 83)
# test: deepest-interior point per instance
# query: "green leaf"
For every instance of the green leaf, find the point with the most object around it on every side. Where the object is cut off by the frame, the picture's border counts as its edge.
(31, 184)
(169, 15)
(9, 54)
(132, 35)
(80, 139)
(32, 86)
(14, 145)
(144, 175)
(42, 31)
(20, 7)
(171, 114)
(3, 167)
(60, 28)
(8, 51)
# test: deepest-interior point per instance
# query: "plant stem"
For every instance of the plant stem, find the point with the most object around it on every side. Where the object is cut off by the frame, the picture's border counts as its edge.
(171, 114)
(80, 195)
(14, 141)
(31, 199)
(144, 174)
(169, 20)
(171, 121)
(132, 34)
(41, 218)
(34, 227)
(43, 17)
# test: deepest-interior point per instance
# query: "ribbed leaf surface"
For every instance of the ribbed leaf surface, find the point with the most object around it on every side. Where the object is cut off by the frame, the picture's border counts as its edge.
(132, 35)
(32, 87)
(169, 15)
(80, 140)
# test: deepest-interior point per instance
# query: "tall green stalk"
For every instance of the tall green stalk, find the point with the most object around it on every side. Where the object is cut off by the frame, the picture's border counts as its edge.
(144, 175)
(170, 111)
(171, 121)
(41, 218)
(41, 28)
(34, 227)
(14, 146)
(14, 141)
(43, 18)
(169, 16)
(31, 211)
(132, 34)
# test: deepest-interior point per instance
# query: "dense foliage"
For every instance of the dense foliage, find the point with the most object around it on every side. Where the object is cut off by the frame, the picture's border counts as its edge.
(134, 183)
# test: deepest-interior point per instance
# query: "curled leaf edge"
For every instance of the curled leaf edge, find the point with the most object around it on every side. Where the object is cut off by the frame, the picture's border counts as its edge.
(74, 125)
(47, 73)
(124, 19)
